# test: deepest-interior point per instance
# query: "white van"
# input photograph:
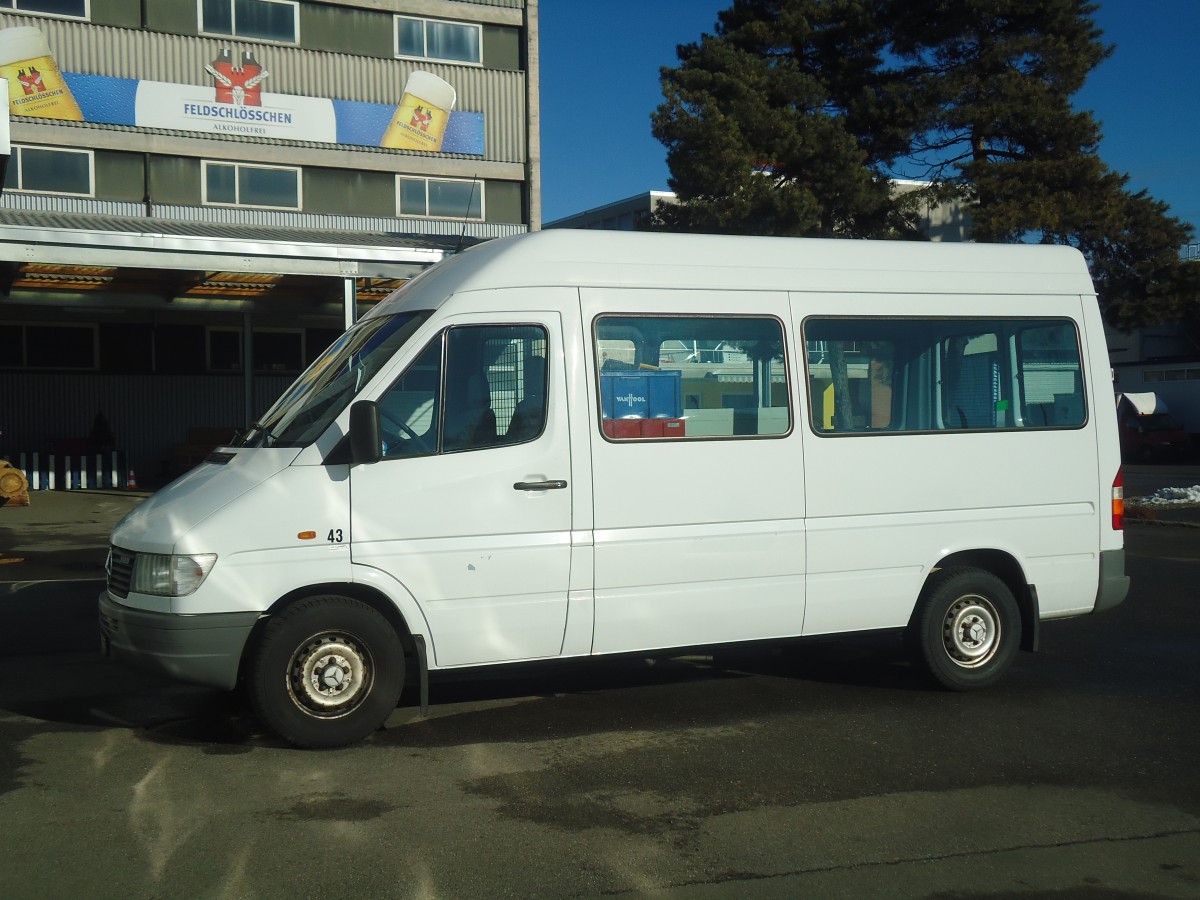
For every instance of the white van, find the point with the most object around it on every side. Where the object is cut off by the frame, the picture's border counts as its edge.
(566, 444)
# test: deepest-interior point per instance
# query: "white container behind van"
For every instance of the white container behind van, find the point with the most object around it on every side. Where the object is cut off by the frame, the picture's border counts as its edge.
(575, 443)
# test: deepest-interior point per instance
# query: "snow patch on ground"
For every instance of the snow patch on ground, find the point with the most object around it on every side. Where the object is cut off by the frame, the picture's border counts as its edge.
(1173, 496)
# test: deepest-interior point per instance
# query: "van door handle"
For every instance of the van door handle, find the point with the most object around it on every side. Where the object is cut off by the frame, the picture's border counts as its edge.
(556, 485)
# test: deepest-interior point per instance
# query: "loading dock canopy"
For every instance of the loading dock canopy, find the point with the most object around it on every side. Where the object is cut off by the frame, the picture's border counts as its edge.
(50, 258)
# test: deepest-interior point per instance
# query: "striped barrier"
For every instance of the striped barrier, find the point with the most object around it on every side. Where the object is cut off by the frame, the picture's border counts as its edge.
(75, 471)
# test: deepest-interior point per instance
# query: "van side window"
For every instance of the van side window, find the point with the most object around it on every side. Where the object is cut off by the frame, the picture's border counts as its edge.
(868, 375)
(490, 391)
(1051, 375)
(499, 372)
(691, 377)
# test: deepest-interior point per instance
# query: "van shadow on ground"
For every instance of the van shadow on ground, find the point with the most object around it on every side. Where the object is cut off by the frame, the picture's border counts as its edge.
(62, 679)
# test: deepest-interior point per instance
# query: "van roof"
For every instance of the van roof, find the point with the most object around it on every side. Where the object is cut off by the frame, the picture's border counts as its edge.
(565, 257)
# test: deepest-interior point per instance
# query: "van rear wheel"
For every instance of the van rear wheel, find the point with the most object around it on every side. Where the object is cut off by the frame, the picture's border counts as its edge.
(966, 629)
(328, 671)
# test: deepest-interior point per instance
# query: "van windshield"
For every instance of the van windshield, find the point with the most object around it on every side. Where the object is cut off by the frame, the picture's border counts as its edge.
(335, 378)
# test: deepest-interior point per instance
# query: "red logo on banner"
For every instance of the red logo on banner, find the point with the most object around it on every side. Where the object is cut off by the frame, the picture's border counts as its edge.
(421, 118)
(239, 85)
(31, 81)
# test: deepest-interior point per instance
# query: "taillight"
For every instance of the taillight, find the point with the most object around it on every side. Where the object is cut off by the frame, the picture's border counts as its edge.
(1118, 501)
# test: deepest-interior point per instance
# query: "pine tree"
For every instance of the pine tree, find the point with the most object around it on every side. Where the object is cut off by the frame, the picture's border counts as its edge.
(791, 117)
(1001, 134)
(763, 123)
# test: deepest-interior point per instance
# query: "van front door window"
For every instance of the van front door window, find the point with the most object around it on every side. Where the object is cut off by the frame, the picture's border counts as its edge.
(473, 387)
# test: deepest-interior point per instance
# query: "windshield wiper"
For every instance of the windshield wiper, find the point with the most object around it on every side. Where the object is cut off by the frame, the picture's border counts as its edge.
(268, 437)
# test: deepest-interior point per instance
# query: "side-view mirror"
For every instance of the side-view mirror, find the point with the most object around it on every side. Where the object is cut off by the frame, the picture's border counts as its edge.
(365, 443)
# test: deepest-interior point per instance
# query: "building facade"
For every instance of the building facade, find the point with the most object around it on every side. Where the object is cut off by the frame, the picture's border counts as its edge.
(202, 193)
(939, 221)
(630, 214)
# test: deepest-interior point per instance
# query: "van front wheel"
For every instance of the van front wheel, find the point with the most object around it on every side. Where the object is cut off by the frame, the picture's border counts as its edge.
(328, 672)
(966, 628)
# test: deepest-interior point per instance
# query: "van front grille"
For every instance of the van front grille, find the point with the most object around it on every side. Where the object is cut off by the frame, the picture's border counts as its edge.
(120, 571)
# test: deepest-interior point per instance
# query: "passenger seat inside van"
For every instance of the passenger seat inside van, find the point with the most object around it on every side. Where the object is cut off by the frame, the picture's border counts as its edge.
(530, 413)
(470, 419)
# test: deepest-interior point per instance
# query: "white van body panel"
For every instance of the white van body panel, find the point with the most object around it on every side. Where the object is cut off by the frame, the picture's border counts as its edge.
(641, 545)
(723, 263)
(881, 521)
(261, 543)
(162, 521)
(489, 564)
(679, 534)
(1102, 415)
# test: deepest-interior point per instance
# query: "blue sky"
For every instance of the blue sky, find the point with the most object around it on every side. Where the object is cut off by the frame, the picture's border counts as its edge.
(600, 64)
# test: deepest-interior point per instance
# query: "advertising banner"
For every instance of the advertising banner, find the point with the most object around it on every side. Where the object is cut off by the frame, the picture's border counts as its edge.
(235, 102)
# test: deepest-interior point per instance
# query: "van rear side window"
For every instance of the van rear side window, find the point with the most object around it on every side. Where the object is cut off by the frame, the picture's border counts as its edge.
(692, 377)
(918, 375)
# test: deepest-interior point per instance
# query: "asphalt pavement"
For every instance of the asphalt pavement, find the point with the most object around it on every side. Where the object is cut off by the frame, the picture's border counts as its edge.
(834, 772)
(60, 535)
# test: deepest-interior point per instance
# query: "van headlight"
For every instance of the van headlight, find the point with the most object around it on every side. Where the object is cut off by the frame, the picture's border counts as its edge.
(170, 575)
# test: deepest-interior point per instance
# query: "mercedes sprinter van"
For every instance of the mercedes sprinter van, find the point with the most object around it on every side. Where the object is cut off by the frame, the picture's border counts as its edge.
(571, 443)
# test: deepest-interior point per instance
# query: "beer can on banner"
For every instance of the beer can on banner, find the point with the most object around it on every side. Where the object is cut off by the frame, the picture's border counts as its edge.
(35, 83)
(420, 119)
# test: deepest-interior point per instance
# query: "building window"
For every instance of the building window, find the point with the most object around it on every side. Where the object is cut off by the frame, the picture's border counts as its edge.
(44, 346)
(238, 184)
(274, 350)
(437, 39)
(684, 377)
(278, 350)
(71, 9)
(266, 20)
(439, 198)
(43, 170)
(223, 348)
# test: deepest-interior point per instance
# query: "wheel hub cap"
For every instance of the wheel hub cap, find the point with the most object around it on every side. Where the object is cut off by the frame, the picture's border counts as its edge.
(329, 675)
(971, 631)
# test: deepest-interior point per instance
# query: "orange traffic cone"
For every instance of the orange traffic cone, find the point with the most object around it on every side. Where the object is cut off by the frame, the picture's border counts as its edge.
(131, 482)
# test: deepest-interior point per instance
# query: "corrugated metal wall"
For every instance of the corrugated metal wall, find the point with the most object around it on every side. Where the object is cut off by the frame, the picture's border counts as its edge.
(265, 217)
(154, 56)
(148, 414)
(507, 4)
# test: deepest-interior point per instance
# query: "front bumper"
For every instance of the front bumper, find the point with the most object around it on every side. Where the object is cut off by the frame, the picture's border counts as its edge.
(200, 649)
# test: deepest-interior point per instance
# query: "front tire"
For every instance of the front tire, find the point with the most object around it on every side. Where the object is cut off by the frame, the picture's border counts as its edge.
(328, 671)
(966, 629)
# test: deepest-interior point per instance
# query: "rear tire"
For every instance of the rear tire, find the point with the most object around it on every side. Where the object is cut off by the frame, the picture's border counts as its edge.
(328, 671)
(966, 628)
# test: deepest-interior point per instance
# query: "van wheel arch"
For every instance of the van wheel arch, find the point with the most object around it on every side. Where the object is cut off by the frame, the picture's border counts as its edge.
(377, 601)
(1005, 567)
(327, 671)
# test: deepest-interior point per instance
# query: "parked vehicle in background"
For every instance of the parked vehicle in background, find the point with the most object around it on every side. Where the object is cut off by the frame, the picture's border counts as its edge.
(578, 443)
(1148, 431)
